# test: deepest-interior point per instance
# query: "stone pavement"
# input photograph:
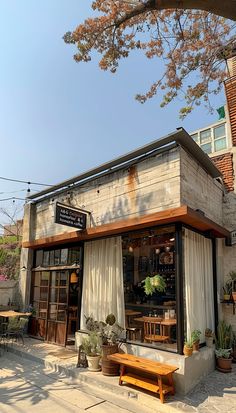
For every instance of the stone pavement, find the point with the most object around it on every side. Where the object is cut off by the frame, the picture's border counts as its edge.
(216, 393)
(26, 387)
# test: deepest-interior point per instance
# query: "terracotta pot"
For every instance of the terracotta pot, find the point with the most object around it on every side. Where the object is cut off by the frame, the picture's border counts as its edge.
(93, 362)
(188, 351)
(224, 365)
(109, 368)
(196, 345)
(234, 296)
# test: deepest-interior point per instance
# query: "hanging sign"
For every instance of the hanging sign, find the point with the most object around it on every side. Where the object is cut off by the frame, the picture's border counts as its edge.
(70, 216)
(233, 237)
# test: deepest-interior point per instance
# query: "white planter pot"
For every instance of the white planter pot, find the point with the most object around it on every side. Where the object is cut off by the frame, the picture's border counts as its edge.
(93, 363)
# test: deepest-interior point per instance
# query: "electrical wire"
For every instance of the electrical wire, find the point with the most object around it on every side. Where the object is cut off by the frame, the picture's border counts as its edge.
(23, 182)
(12, 198)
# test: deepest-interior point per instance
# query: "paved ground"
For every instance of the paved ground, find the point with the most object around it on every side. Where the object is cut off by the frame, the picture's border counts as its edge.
(28, 387)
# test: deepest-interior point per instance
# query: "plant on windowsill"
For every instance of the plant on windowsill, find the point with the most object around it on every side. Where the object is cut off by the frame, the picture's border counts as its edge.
(109, 333)
(227, 290)
(223, 349)
(92, 348)
(232, 276)
(155, 283)
(209, 337)
(188, 347)
(195, 337)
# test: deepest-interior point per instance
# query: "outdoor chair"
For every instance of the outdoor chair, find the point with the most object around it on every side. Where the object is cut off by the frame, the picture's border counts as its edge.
(18, 330)
(15, 329)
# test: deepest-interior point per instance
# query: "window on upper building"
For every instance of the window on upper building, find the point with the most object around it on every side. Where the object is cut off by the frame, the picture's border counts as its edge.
(212, 139)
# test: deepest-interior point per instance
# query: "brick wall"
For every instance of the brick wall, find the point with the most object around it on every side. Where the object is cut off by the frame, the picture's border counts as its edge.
(230, 91)
(225, 165)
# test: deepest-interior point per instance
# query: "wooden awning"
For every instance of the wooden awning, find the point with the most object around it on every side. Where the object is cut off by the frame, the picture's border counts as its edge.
(182, 214)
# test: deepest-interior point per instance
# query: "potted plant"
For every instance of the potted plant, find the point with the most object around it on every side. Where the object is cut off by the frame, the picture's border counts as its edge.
(223, 349)
(92, 349)
(234, 348)
(227, 290)
(195, 337)
(188, 348)
(209, 337)
(232, 276)
(109, 333)
(155, 283)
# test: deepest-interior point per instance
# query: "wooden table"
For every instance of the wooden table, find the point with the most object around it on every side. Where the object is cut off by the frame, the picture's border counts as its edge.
(10, 313)
(165, 324)
(145, 373)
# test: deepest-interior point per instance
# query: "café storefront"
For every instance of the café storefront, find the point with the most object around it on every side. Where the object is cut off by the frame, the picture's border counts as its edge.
(160, 213)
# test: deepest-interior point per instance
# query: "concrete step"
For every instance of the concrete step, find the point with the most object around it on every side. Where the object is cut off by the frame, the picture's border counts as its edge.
(96, 382)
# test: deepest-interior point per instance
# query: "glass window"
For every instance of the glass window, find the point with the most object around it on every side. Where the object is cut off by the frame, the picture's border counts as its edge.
(146, 254)
(219, 131)
(51, 257)
(195, 137)
(205, 136)
(39, 258)
(46, 258)
(220, 144)
(64, 256)
(206, 148)
(57, 257)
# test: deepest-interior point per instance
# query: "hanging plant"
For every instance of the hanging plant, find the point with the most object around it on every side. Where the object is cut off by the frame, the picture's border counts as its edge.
(154, 284)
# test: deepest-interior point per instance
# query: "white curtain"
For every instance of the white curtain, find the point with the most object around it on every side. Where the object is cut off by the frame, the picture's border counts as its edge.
(103, 291)
(198, 283)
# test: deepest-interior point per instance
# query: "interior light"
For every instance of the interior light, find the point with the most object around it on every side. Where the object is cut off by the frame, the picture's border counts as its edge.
(73, 278)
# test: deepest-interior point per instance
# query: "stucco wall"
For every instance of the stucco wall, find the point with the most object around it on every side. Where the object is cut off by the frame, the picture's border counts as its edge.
(199, 190)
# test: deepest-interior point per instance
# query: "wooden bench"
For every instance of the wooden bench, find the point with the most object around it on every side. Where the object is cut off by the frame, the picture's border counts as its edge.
(145, 373)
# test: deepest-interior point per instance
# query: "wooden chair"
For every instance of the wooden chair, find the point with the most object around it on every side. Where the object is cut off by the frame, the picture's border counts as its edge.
(133, 331)
(151, 327)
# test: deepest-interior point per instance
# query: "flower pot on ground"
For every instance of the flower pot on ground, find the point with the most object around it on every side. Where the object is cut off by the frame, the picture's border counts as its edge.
(223, 349)
(195, 337)
(92, 349)
(234, 348)
(188, 348)
(109, 333)
(209, 337)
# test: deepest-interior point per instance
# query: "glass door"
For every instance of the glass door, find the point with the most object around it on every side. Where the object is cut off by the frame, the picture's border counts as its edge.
(58, 307)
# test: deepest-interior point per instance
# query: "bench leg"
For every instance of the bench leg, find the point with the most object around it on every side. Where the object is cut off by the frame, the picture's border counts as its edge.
(160, 389)
(171, 383)
(122, 372)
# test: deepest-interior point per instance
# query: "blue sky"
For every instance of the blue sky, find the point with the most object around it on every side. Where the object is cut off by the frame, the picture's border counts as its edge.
(59, 118)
